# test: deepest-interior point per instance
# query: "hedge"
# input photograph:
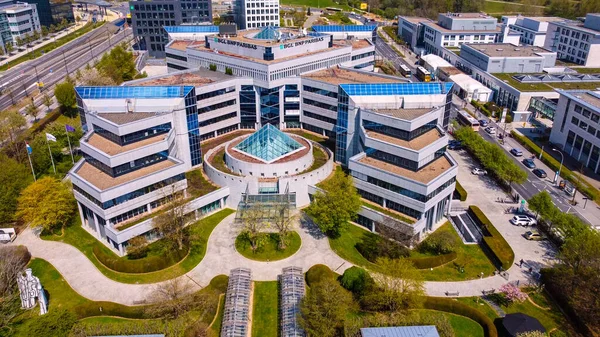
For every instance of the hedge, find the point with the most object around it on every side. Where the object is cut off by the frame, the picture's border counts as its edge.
(462, 193)
(91, 309)
(317, 273)
(455, 307)
(583, 186)
(493, 242)
(144, 265)
(42, 123)
(433, 261)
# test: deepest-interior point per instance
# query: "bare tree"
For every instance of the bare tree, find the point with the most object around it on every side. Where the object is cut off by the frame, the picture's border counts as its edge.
(174, 298)
(283, 220)
(171, 222)
(253, 225)
(12, 262)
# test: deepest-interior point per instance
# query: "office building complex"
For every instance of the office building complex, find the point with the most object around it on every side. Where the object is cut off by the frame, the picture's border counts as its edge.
(244, 127)
(577, 126)
(526, 30)
(149, 17)
(450, 31)
(575, 41)
(53, 12)
(256, 13)
(17, 21)
(508, 58)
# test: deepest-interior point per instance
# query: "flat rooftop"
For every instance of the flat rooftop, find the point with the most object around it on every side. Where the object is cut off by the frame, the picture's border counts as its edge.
(246, 36)
(103, 181)
(404, 114)
(179, 79)
(451, 70)
(436, 26)
(336, 75)
(544, 18)
(507, 50)
(424, 175)
(181, 44)
(467, 15)
(359, 44)
(589, 98)
(121, 118)
(112, 148)
(416, 19)
(414, 144)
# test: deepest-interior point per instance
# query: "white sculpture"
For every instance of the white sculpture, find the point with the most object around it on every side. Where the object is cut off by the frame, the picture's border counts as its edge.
(30, 288)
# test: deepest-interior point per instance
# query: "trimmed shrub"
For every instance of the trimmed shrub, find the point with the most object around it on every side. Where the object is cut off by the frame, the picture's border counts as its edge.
(582, 185)
(144, 265)
(317, 273)
(493, 243)
(433, 261)
(455, 307)
(91, 309)
(373, 247)
(357, 280)
(461, 192)
(439, 243)
(57, 322)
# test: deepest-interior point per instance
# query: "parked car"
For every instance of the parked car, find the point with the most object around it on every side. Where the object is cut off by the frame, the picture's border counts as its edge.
(478, 172)
(540, 173)
(516, 152)
(529, 163)
(522, 220)
(534, 236)
(454, 145)
(491, 130)
(483, 122)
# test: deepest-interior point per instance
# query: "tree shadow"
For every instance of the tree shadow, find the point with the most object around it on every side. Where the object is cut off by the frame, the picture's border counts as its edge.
(310, 227)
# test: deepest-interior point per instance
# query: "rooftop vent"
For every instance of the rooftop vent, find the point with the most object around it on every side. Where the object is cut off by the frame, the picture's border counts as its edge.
(499, 49)
(517, 49)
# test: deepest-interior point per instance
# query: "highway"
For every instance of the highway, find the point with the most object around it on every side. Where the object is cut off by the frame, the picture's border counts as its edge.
(18, 82)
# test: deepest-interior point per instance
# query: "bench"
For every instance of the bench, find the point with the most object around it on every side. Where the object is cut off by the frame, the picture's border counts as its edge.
(488, 292)
(450, 293)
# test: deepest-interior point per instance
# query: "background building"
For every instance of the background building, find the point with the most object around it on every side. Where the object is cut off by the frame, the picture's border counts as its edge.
(20, 20)
(575, 41)
(531, 30)
(53, 12)
(508, 58)
(256, 13)
(149, 17)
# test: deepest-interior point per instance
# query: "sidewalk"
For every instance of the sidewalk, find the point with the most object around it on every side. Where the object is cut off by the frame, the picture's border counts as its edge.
(40, 45)
(409, 56)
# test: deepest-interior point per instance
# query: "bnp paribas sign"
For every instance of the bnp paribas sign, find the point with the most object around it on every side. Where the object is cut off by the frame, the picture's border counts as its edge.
(300, 43)
(236, 43)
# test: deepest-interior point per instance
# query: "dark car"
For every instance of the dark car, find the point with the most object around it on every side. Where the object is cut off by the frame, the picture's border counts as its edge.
(540, 173)
(483, 122)
(454, 145)
(516, 152)
(529, 163)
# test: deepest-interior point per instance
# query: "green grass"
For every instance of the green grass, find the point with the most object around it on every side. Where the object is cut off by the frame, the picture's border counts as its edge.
(507, 77)
(218, 162)
(209, 144)
(479, 304)
(269, 251)
(387, 212)
(215, 329)
(550, 319)
(462, 326)
(319, 159)
(315, 4)
(51, 46)
(470, 256)
(328, 143)
(509, 8)
(197, 184)
(587, 70)
(264, 311)
(201, 230)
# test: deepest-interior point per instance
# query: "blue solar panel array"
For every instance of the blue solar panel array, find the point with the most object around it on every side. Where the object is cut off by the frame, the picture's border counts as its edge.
(133, 92)
(192, 29)
(344, 28)
(383, 89)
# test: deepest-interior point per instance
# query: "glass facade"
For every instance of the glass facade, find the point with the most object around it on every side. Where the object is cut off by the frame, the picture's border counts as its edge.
(397, 133)
(269, 106)
(191, 114)
(341, 127)
(129, 167)
(268, 144)
(134, 136)
(291, 106)
(247, 107)
(542, 107)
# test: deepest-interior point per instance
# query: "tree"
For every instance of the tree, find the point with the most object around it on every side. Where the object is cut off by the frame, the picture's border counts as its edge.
(12, 262)
(357, 280)
(512, 293)
(118, 64)
(11, 123)
(48, 203)
(336, 205)
(212, 67)
(57, 322)
(173, 298)
(14, 178)
(32, 110)
(47, 101)
(19, 41)
(52, 28)
(137, 247)
(440, 243)
(283, 222)
(45, 31)
(170, 224)
(541, 203)
(324, 308)
(253, 225)
(35, 35)
(78, 18)
(401, 287)
(93, 77)
(308, 13)
(65, 96)
(228, 71)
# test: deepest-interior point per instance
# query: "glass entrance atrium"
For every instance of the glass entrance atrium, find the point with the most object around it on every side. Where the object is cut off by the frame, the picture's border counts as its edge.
(268, 144)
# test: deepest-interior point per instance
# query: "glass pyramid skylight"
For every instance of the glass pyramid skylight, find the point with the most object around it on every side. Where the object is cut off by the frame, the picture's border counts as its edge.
(268, 144)
(268, 33)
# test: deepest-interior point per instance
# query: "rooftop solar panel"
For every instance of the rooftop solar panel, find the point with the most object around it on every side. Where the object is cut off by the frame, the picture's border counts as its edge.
(192, 29)
(344, 28)
(133, 92)
(385, 89)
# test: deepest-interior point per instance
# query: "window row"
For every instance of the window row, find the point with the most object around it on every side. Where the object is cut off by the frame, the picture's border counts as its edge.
(217, 106)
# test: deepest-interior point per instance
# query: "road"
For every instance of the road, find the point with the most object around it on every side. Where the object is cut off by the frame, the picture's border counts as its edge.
(18, 82)
(533, 184)
(384, 50)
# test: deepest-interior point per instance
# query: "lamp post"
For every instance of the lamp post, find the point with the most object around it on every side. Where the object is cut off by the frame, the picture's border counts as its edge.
(562, 157)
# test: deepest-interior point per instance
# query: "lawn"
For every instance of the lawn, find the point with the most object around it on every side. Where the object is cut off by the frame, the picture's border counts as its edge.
(507, 77)
(209, 144)
(315, 4)
(319, 159)
(471, 257)
(215, 328)
(269, 251)
(78, 237)
(479, 304)
(328, 143)
(218, 162)
(264, 311)
(463, 326)
(550, 319)
(197, 184)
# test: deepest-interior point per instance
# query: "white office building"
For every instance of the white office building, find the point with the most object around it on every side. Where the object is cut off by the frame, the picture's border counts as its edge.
(576, 41)
(256, 13)
(577, 126)
(529, 30)
(21, 19)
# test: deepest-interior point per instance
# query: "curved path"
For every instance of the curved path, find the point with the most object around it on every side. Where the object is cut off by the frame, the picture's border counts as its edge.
(221, 255)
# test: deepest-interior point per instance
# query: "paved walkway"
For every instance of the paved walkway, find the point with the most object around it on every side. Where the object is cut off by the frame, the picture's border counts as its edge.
(221, 255)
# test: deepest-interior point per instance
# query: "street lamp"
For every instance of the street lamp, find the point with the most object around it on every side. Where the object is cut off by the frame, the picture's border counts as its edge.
(562, 157)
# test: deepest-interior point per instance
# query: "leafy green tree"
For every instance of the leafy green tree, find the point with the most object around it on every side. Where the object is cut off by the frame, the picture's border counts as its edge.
(32, 110)
(439, 243)
(65, 96)
(357, 280)
(14, 178)
(56, 323)
(324, 308)
(9, 47)
(45, 31)
(11, 123)
(401, 287)
(48, 203)
(541, 204)
(118, 64)
(339, 203)
(47, 101)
